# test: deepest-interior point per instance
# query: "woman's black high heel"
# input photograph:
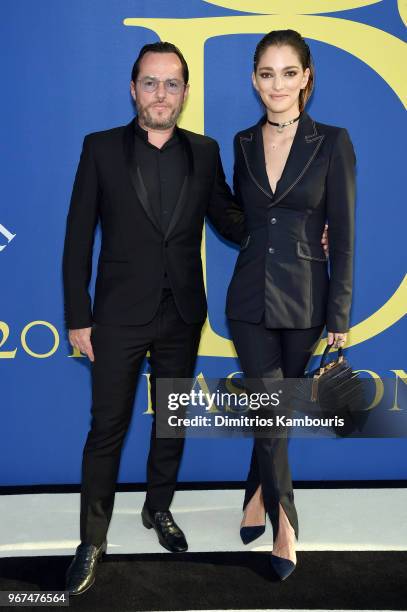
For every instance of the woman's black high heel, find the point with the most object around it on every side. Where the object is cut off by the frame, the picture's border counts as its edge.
(282, 567)
(248, 534)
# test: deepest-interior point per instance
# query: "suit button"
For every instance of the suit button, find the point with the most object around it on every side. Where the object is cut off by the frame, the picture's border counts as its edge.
(271, 250)
(166, 243)
(273, 221)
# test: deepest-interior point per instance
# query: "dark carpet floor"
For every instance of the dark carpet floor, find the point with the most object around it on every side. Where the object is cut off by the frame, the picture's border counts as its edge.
(219, 581)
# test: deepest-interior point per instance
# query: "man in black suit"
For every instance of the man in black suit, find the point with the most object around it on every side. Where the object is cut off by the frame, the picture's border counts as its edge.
(150, 184)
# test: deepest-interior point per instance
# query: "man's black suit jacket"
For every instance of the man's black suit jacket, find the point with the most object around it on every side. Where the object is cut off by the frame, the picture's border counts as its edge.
(134, 251)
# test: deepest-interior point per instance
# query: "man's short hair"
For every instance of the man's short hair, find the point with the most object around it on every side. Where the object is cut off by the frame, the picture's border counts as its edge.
(160, 47)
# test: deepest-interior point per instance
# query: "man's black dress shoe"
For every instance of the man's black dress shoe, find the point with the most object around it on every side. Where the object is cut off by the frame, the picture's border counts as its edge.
(169, 534)
(81, 573)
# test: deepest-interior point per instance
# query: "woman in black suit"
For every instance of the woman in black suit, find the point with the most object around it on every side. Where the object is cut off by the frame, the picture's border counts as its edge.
(292, 174)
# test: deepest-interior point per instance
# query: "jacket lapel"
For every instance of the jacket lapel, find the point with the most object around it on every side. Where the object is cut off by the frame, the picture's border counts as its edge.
(304, 148)
(184, 192)
(253, 153)
(135, 174)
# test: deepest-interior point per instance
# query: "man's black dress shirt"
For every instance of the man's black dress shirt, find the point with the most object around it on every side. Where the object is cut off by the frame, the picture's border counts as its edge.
(163, 172)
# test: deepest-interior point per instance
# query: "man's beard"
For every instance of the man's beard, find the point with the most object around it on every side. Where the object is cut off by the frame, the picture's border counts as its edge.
(158, 124)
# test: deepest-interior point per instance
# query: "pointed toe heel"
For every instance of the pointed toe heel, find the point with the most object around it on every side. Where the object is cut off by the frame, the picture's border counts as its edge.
(282, 567)
(248, 534)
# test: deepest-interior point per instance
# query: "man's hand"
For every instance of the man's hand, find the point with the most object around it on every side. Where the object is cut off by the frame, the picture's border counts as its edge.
(324, 240)
(80, 339)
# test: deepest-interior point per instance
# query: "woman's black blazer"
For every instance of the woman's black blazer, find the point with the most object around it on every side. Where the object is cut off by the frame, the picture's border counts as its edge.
(282, 272)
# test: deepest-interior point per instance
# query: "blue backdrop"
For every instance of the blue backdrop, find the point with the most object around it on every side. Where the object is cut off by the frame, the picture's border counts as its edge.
(65, 72)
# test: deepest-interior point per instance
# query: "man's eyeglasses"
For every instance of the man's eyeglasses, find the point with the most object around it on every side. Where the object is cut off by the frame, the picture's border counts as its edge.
(172, 86)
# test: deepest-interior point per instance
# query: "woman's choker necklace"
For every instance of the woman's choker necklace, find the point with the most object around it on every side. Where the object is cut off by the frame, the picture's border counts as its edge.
(281, 126)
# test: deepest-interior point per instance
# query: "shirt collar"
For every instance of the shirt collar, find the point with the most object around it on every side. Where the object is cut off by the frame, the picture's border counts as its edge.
(143, 134)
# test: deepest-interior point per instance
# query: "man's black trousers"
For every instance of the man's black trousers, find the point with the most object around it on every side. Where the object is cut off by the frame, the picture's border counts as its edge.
(119, 353)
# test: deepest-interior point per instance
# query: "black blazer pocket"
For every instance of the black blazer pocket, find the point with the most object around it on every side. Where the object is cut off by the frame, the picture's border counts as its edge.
(310, 251)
